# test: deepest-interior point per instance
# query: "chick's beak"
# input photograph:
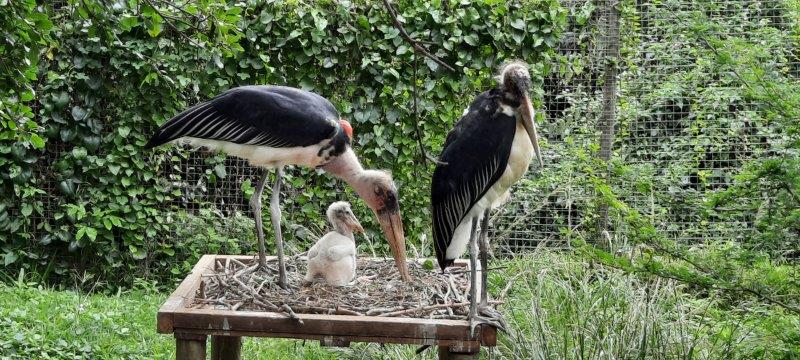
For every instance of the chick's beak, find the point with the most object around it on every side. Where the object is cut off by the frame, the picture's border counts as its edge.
(392, 226)
(530, 126)
(354, 223)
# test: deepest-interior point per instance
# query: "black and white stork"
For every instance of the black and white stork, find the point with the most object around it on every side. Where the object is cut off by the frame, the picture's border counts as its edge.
(275, 126)
(489, 149)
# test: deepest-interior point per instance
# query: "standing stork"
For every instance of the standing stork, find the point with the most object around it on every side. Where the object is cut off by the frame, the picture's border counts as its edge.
(275, 126)
(489, 149)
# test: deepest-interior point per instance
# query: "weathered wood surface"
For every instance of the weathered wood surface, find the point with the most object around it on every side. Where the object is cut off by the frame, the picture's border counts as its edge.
(190, 346)
(226, 348)
(175, 316)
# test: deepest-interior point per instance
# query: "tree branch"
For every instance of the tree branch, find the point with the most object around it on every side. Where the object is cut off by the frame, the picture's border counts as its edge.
(169, 23)
(417, 47)
(425, 155)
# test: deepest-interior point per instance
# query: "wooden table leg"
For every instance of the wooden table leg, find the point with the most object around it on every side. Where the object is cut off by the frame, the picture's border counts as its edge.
(190, 346)
(226, 347)
(446, 353)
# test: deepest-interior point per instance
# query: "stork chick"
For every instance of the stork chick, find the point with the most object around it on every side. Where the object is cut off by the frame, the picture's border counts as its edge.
(333, 257)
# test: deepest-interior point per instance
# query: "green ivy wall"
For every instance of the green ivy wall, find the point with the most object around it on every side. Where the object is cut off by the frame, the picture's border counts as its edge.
(78, 194)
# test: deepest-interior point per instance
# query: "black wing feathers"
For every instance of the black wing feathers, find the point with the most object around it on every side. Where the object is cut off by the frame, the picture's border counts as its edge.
(476, 152)
(273, 116)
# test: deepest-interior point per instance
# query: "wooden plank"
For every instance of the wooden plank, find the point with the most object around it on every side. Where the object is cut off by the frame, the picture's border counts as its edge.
(454, 343)
(256, 321)
(403, 330)
(183, 294)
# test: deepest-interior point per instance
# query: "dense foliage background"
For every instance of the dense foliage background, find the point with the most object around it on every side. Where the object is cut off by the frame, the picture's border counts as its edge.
(79, 192)
(699, 258)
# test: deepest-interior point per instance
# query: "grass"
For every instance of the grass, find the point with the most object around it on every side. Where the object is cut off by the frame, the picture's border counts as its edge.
(559, 307)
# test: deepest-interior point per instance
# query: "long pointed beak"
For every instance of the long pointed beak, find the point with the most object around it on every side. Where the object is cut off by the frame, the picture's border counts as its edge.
(392, 225)
(354, 223)
(530, 126)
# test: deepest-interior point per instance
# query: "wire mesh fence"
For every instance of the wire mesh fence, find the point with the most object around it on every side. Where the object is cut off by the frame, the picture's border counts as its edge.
(682, 126)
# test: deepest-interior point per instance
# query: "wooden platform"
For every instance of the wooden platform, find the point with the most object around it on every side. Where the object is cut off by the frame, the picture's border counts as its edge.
(192, 326)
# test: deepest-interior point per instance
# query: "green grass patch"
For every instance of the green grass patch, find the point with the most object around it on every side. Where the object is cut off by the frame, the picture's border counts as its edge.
(559, 306)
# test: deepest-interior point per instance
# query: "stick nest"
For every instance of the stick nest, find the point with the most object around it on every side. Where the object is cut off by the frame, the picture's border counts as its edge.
(376, 291)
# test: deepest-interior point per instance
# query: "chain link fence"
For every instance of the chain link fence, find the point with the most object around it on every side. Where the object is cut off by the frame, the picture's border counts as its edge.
(682, 126)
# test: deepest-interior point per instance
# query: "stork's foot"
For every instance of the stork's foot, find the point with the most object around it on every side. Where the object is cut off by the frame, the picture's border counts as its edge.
(489, 316)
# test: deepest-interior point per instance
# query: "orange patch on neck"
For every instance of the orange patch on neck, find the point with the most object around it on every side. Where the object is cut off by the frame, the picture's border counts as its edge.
(348, 130)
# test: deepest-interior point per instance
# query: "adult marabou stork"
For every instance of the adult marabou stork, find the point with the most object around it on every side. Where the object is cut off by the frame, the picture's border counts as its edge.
(275, 126)
(489, 149)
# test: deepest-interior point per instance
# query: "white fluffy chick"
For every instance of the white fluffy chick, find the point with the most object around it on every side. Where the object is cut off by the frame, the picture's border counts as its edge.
(333, 257)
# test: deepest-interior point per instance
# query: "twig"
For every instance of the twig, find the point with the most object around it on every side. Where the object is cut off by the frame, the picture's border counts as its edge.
(169, 23)
(479, 270)
(452, 285)
(341, 310)
(417, 47)
(288, 309)
(214, 302)
(260, 286)
(377, 311)
(268, 305)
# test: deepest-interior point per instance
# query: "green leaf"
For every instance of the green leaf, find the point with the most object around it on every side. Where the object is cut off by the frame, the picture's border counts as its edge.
(219, 169)
(428, 264)
(91, 233)
(60, 99)
(364, 22)
(155, 26)
(402, 49)
(321, 23)
(137, 253)
(128, 22)
(37, 141)
(27, 209)
(9, 258)
(471, 39)
(78, 113)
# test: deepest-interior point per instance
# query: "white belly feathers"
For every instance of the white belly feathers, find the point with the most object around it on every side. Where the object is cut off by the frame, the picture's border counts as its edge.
(259, 155)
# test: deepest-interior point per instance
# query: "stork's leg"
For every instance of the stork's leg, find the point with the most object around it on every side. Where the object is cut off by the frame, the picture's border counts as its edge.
(473, 273)
(255, 205)
(486, 314)
(275, 215)
(484, 248)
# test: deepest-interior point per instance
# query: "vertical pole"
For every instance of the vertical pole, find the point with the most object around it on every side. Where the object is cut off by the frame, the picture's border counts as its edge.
(226, 347)
(445, 353)
(190, 347)
(611, 59)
